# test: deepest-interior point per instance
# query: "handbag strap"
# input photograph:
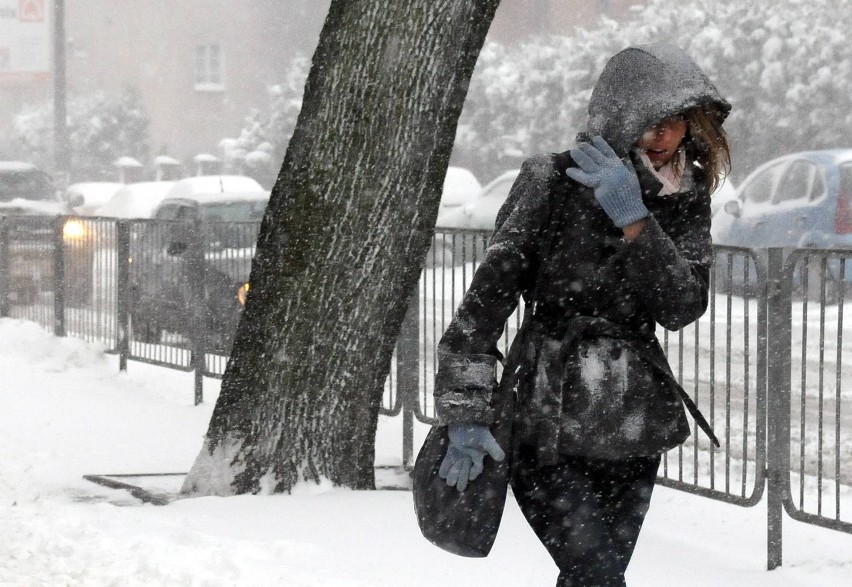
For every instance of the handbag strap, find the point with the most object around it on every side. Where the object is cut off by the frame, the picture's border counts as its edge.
(549, 233)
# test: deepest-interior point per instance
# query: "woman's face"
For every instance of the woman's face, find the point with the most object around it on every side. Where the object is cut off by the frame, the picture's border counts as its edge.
(661, 141)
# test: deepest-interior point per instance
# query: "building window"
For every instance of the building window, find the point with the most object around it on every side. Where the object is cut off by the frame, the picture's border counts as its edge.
(209, 68)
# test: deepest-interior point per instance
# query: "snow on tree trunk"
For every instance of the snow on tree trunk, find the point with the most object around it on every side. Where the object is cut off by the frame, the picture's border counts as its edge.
(341, 247)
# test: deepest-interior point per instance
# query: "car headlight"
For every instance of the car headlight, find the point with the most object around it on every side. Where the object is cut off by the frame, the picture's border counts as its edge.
(242, 293)
(74, 230)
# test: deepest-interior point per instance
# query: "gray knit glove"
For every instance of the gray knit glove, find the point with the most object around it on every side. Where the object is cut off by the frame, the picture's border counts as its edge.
(616, 185)
(469, 443)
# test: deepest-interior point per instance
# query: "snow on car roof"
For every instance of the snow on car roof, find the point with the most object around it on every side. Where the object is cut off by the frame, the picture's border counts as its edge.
(186, 187)
(834, 156)
(837, 155)
(460, 185)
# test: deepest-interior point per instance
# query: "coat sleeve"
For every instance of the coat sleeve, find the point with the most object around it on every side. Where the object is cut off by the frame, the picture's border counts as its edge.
(670, 273)
(467, 352)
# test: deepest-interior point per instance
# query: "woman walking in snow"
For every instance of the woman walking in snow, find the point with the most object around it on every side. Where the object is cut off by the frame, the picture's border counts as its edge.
(612, 237)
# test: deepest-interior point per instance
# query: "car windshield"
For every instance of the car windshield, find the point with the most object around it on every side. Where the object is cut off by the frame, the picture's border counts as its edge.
(232, 225)
(30, 185)
(245, 211)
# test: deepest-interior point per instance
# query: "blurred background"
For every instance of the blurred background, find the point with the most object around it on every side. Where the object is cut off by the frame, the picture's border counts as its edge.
(161, 90)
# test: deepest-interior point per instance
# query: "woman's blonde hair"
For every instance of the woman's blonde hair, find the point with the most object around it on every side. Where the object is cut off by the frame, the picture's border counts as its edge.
(713, 151)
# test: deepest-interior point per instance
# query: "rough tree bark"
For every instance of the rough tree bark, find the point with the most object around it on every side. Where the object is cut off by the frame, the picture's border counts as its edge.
(341, 247)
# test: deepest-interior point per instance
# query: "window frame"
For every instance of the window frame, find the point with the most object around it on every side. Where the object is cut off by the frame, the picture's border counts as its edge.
(806, 194)
(773, 174)
(209, 73)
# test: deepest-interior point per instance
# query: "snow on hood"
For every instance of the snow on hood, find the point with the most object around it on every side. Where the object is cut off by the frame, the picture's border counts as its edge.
(25, 206)
(642, 85)
(135, 200)
(94, 193)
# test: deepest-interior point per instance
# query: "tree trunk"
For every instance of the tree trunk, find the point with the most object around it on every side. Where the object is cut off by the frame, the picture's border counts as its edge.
(341, 247)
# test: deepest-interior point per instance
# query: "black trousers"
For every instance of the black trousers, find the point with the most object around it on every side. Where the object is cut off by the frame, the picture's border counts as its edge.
(586, 512)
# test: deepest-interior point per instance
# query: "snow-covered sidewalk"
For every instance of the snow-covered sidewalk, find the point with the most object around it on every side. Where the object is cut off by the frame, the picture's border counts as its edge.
(66, 411)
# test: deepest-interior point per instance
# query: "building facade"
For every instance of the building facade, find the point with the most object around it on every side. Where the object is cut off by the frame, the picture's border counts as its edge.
(200, 66)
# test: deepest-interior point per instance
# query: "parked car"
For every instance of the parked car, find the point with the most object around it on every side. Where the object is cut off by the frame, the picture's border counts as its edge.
(25, 185)
(795, 201)
(460, 187)
(86, 197)
(478, 213)
(801, 200)
(140, 200)
(224, 225)
(29, 201)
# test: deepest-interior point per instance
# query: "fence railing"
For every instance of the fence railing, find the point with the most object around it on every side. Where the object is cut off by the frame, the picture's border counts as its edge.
(810, 419)
(764, 364)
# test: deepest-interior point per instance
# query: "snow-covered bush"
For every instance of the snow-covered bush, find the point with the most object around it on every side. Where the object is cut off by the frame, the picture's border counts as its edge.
(783, 64)
(268, 131)
(101, 128)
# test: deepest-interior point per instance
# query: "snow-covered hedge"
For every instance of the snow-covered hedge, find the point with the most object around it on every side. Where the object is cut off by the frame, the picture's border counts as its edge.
(784, 65)
(101, 128)
(269, 130)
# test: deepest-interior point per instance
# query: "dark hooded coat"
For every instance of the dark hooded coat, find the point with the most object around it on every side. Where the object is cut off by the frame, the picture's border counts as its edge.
(597, 298)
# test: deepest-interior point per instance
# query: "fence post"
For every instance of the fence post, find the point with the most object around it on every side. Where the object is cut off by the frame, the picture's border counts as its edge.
(59, 277)
(197, 308)
(122, 246)
(4, 267)
(778, 330)
(407, 379)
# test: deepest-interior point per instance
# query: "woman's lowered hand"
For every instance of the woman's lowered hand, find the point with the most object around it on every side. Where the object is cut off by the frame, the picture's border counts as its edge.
(469, 443)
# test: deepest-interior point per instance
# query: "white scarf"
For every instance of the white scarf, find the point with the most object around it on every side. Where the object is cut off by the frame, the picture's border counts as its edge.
(670, 175)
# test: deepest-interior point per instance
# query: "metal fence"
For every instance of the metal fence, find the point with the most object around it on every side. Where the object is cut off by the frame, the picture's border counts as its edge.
(810, 421)
(719, 360)
(764, 364)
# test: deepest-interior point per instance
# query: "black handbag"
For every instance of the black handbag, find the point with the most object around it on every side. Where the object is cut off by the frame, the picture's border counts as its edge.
(462, 522)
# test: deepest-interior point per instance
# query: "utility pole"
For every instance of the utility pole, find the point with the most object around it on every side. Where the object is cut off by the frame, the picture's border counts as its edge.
(62, 155)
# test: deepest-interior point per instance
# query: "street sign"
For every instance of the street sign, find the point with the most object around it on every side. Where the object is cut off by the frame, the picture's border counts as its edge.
(25, 41)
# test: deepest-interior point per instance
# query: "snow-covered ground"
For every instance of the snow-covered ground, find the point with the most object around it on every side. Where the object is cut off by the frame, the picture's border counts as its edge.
(66, 411)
